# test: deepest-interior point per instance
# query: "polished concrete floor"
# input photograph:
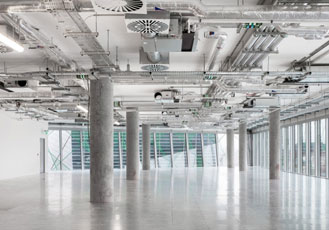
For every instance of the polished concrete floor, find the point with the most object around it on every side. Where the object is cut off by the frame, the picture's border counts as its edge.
(179, 199)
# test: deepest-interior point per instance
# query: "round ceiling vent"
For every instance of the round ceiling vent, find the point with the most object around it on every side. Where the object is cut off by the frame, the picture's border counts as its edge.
(5, 49)
(119, 6)
(155, 68)
(147, 26)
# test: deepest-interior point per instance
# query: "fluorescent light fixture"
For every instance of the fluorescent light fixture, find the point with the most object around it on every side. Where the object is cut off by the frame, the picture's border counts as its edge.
(83, 109)
(12, 44)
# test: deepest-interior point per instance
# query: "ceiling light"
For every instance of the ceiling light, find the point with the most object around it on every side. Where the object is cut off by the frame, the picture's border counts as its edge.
(12, 44)
(83, 109)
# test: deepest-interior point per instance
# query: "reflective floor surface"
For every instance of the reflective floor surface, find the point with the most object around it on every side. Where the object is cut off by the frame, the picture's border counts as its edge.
(165, 199)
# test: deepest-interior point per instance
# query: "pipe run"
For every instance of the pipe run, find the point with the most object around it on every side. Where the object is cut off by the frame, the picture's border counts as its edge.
(242, 14)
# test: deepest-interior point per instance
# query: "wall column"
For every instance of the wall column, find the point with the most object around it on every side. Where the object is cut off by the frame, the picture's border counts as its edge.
(274, 132)
(101, 140)
(132, 145)
(242, 146)
(146, 147)
(230, 148)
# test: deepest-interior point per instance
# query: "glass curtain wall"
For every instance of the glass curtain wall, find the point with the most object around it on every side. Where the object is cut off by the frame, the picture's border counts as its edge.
(323, 147)
(304, 148)
(70, 150)
(180, 150)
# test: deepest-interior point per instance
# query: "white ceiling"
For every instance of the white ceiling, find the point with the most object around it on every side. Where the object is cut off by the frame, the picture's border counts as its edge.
(291, 48)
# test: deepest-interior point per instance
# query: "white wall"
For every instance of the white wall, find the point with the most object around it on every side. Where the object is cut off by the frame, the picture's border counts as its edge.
(19, 145)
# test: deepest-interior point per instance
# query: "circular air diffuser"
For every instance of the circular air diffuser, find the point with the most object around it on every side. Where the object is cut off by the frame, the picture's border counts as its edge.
(147, 26)
(5, 49)
(119, 6)
(155, 68)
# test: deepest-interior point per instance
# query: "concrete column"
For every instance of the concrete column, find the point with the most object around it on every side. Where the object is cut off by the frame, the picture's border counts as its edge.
(101, 140)
(242, 146)
(230, 148)
(146, 147)
(274, 119)
(132, 145)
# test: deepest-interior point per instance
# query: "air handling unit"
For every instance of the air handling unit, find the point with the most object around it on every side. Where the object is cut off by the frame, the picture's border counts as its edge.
(162, 33)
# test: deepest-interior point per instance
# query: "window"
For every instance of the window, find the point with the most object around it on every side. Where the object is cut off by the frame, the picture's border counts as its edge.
(312, 148)
(267, 150)
(163, 150)
(66, 150)
(180, 150)
(304, 148)
(53, 150)
(116, 150)
(76, 150)
(209, 150)
(86, 149)
(70, 149)
(286, 148)
(140, 146)
(123, 139)
(323, 148)
(221, 138)
(195, 150)
(289, 149)
(282, 155)
(295, 149)
(152, 152)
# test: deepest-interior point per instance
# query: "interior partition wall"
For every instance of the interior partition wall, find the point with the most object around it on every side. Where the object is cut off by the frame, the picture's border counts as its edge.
(304, 148)
(68, 149)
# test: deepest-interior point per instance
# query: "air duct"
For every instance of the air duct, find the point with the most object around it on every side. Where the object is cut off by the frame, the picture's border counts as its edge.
(154, 57)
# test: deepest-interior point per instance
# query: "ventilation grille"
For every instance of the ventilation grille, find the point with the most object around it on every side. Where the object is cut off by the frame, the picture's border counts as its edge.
(155, 68)
(147, 26)
(5, 49)
(120, 6)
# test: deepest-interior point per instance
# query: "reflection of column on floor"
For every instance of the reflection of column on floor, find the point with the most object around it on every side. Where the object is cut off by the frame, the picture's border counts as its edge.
(230, 194)
(156, 179)
(136, 208)
(172, 184)
(187, 183)
(97, 220)
(243, 198)
(274, 200)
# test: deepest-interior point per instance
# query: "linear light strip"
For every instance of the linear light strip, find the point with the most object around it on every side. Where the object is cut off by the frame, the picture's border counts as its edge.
(12, 44)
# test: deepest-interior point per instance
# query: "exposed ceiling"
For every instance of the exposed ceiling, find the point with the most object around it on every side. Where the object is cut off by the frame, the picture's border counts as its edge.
(68, 45)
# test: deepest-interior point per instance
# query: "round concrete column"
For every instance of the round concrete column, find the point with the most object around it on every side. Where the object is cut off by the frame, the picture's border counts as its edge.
(242, 146)
(101, 140)
(230, 148)
(146, 147)
(132, 145)
(274, 136)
